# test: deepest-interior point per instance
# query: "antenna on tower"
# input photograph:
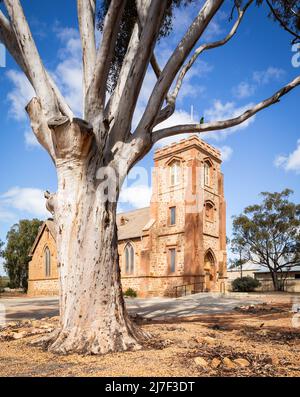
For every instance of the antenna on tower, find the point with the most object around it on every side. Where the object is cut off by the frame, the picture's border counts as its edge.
(192, 113)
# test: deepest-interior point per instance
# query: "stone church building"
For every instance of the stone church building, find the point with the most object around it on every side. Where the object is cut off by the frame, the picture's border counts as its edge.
(177, 245)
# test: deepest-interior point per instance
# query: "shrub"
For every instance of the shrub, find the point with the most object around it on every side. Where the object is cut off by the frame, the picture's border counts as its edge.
(245, 284)
(131, 293)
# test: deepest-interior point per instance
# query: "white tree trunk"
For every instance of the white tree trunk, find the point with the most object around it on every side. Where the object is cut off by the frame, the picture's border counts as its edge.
(93, 318)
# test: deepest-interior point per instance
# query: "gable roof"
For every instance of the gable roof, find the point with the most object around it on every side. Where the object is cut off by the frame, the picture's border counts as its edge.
(134, 224)
(49, 224)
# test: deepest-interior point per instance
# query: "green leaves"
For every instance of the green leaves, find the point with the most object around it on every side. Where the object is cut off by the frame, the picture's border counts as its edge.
(20, 239)
(269, 233)
(127, 23)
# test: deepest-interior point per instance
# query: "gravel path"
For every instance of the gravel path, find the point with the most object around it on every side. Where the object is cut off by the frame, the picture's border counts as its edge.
(205, 303)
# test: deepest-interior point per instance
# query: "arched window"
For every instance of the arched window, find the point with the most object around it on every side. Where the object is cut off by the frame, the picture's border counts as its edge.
(209, 211)
(129, 259)
(207, 173)
(47, 257)
(174, 173)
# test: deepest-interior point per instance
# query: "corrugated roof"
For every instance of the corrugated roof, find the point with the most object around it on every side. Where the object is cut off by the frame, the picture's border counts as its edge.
(247, 266)
(133, 223)
(290, 269)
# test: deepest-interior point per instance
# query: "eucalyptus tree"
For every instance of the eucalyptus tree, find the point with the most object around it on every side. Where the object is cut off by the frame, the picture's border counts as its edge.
(89, 152)
(16, 254)
(268, 234)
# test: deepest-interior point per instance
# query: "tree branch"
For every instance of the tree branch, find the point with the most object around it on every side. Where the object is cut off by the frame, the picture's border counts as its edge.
(86, 18)
(135, 71)
(39, 125)
(155, 66)
(220, 125)
(142, 6)
(168, 110)
(8, 38)
(133, 46)
(112, 105)
(31, 58)
(95, 98)
(284, 25)
(175, 62)
(206, 47)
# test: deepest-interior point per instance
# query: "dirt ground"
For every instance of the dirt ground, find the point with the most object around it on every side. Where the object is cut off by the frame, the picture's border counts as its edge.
(206, 345)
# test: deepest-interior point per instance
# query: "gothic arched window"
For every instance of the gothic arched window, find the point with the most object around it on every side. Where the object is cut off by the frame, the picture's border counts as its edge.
(174, 173)
(47, 257)
(207, 173)
(129, 259)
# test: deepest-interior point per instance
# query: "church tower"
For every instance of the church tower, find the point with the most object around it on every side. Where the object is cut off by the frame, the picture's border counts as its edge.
(189, 235)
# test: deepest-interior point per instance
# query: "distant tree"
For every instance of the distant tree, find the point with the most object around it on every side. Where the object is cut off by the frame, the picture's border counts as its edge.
(20, 239)
(287, 13)
(269, 234)
(240, 258)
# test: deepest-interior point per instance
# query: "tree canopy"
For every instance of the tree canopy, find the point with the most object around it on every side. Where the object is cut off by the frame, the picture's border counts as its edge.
(285, 12)
(20, 239)
(268, 234)
(129, 18)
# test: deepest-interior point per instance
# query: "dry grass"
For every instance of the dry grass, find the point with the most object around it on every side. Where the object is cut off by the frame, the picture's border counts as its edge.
(265, 338)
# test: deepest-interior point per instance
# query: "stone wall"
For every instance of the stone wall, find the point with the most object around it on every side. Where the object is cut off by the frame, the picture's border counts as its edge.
(161, 286)
(47, 287)
(192, 236)
(291, 284)
(38, 282)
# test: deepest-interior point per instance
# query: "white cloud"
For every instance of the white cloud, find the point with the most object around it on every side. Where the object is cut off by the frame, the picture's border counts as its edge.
(188, 90)
(226, 153)
(68, 73)
(20, 95)
(179, 117)
(266, 76)
(213, 30)
(218, 111)
(290, 162)
(136, 196)
(259, 78)
(244, 90)
(30, 140)
(26, 200)
(222, 111)
(6, 215)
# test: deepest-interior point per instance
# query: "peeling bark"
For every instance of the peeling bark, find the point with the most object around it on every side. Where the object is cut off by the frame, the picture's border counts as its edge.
(93, 318)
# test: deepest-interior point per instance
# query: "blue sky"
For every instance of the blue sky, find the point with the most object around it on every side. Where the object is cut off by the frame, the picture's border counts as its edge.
(261, 155)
